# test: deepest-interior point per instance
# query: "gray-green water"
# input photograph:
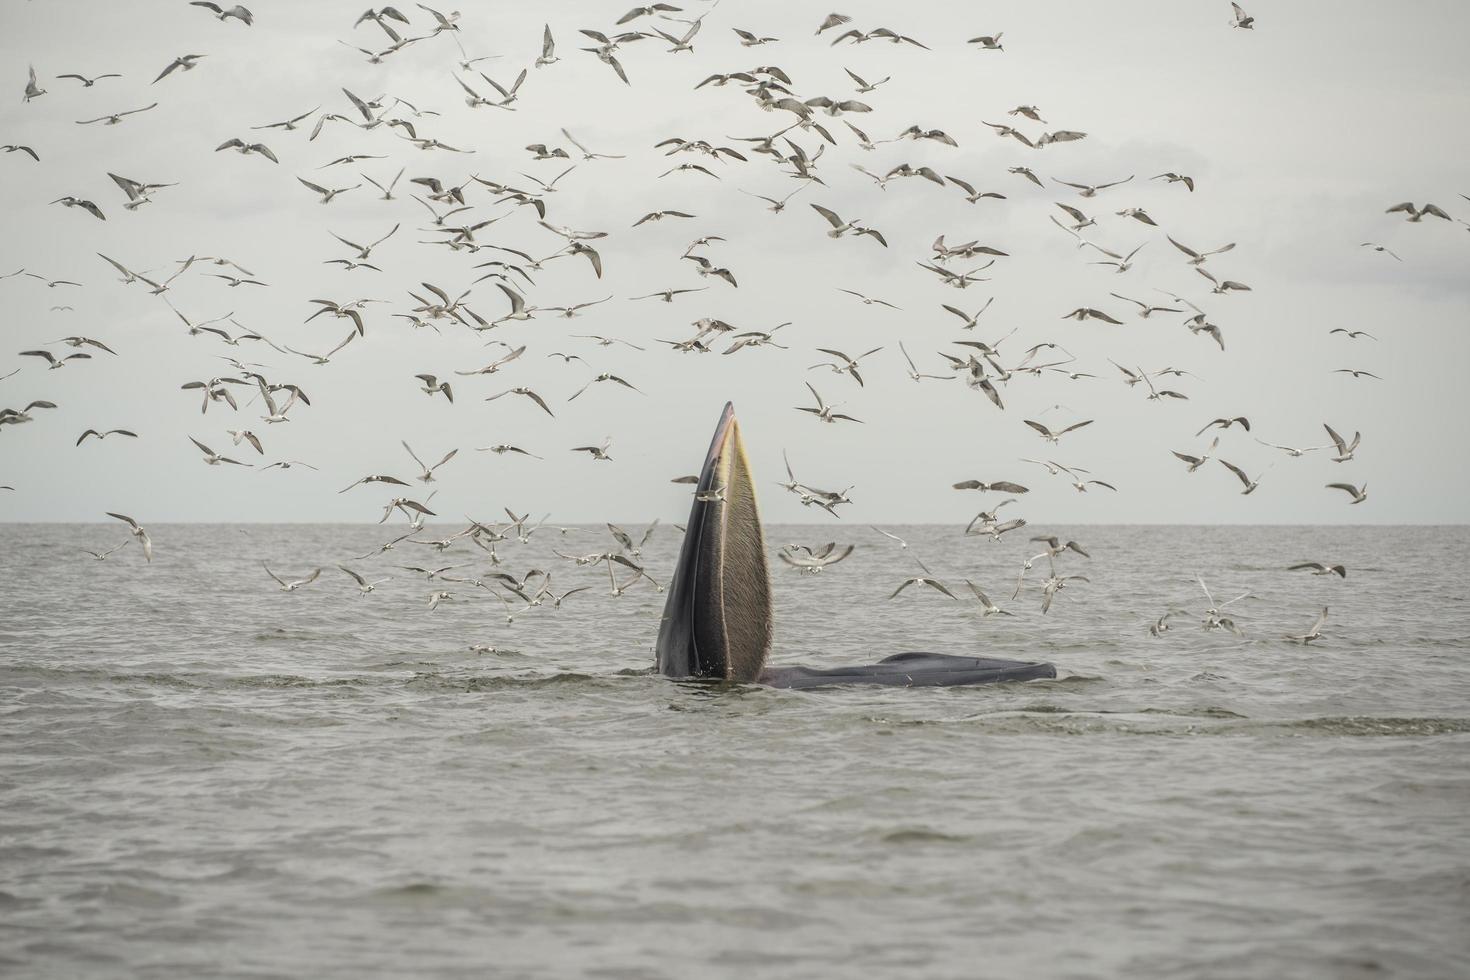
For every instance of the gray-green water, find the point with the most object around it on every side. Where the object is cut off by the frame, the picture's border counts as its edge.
(201, 776)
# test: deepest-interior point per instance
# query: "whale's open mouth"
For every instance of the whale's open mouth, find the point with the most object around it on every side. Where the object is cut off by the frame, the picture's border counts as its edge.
(717, 619)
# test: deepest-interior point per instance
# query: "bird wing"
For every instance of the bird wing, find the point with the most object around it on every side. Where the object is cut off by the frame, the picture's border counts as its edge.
(1245, 480)
(830, 215)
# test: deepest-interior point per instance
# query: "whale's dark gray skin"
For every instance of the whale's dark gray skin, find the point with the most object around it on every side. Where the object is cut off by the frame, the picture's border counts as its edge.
(717, 619)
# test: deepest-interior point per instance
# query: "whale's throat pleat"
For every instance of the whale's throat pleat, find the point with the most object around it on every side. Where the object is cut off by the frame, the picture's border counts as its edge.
(743, 589)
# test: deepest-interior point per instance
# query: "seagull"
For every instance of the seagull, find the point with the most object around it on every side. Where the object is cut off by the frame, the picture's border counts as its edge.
(1352, 334)
(1315, 633)
(235, 280)
(1239, 420)
(660, 215)
(320, 359)
(240, 146)
(841, 227)
(667, 295)
(1054, 584)
(926, 579)
(288, 124)
(103, 435)
(242, 14)
(1380, 248)
(1356, 373)
(327, 194)
(9, 416)
(1025, 172)
(824, 411)
(405, 505)
(490, 368)
(1003, 130)
(814, 561)
(1242, 19)
(1051, 436)
(1087, 313)
(757, 338)
(1145, 309)
(363, 585)
(53, 360)
(89, 82)
(1222, 287)
(374, 478)
(279, 415)
(138, 533)
(1197, 258)
(1318, 568)
(1157, 394)
(137, 191)
(364, 252)
(1138, 214)
(1195, 462)
(868, 300)
(1292, 451)
(1417, 214)
(847, 365)
(1081, 220)
(1120, 263)
(1358, 494)
(999, 486)
(1054, 547)
(213, 458)
(750, 40)
(291, 586)
(427, 476)
(988, 42)
(1249, 484)
(548, 49)
(971, 195)
(598, 453)
(1345, 449)
(863, 85)
(112, 119)
(1090, 190)
(186, 62)
(600, 378)
(445, 22)
(708, 268)
(528, 393)
(1174, 178)
(88, 206)
(502, 449)
(1214, 619)
(606, 341)
(33, 90)
(776, 205)
(588, 154)
(102, 555)
(16, 148)
(987, 608)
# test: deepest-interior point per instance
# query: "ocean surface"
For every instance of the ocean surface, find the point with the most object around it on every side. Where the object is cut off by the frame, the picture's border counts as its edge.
(201, 776)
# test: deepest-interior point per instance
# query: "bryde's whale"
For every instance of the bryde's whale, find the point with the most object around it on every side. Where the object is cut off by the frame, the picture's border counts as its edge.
(717, 619)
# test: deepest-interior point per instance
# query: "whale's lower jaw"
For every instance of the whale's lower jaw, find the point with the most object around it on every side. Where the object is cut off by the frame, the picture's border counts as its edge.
(717, 618)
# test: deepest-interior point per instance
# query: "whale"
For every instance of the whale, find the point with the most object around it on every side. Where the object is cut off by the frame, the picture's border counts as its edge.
(717, 623)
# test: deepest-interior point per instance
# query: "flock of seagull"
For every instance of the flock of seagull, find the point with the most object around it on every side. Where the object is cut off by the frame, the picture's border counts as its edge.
(810, 144)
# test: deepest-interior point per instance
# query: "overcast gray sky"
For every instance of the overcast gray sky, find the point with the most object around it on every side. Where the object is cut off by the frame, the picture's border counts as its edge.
(1299, 134)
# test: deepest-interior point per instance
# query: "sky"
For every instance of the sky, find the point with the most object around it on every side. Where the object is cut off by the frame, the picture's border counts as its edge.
(1298, 134)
